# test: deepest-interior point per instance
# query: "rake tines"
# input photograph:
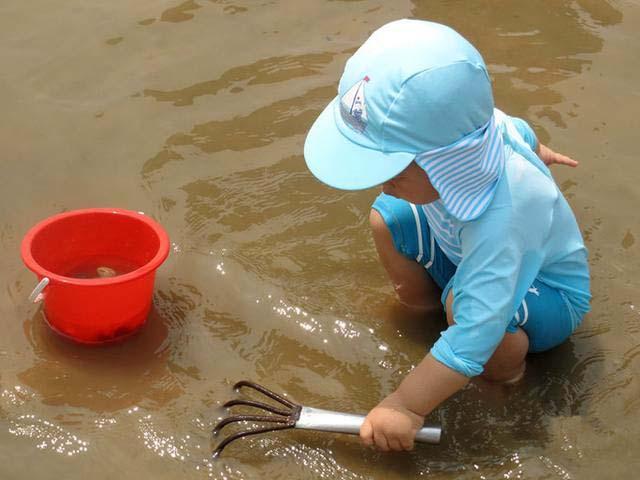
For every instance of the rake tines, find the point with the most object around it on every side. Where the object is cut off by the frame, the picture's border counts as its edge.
(281, 419)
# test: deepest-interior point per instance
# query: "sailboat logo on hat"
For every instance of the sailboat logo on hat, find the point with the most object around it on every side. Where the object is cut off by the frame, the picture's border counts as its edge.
(353, 107)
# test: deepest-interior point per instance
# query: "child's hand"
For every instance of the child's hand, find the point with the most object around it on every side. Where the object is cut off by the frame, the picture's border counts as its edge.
(391, 426)
(549, 157)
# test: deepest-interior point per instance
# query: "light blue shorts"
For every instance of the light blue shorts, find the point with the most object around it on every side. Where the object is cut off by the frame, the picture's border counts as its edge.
(544, 314)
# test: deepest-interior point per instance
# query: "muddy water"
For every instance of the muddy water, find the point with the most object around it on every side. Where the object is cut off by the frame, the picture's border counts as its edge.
(195, 113)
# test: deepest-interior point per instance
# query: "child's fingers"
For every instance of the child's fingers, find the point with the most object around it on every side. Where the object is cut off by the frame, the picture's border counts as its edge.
(549, 157)
(564, 160)
(401, 442)
(381, 441)
(407, 443)
(366, 433)
(395, 445)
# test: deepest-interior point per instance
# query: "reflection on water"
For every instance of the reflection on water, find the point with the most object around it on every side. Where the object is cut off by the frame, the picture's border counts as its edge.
(102, 378)
(273, 276)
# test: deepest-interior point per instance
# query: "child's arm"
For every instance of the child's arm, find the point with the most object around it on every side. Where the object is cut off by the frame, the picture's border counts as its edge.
(501, 256)
(548, 156)
(393, 424)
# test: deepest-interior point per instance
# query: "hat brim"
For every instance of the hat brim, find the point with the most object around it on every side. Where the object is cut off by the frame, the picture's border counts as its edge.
(341, 163)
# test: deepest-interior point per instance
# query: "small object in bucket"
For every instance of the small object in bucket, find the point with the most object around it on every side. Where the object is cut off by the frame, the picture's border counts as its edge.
(105, 272)
(298, 416)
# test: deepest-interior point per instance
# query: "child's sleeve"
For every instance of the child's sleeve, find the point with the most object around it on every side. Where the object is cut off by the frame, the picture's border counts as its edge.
(501, 258)
(525, 130)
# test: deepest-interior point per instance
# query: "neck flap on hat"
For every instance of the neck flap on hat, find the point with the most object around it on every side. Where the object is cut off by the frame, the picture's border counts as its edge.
(465, 174)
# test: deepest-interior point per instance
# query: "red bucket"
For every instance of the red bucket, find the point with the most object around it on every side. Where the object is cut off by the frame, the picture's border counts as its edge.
(96, 269)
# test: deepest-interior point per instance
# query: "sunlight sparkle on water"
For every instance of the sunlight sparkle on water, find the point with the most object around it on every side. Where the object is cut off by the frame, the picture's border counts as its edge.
(289, 311)
(321, 462)
(48, 435)
(345, 329)
(16, 396)
(104, 422)
(385, 364)
(557, 469)
(162, 445)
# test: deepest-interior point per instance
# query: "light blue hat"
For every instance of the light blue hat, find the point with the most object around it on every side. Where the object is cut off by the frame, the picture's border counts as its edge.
(412, 88)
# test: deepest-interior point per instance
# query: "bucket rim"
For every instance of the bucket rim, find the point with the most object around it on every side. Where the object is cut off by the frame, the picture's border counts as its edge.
(152, 265)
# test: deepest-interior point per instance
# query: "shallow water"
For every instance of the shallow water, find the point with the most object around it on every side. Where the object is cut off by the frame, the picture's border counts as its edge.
(195, 113)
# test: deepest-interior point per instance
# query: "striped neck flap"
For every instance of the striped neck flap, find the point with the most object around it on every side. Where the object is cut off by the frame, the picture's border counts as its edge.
(466, 173)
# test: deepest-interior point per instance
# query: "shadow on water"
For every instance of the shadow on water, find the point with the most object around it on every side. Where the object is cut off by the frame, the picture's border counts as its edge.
(102, 378)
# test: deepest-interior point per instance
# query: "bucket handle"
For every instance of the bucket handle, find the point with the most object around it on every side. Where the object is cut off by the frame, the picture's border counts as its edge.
(37, 296)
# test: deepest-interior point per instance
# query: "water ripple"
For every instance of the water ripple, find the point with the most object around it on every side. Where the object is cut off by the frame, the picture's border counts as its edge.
(263, 72)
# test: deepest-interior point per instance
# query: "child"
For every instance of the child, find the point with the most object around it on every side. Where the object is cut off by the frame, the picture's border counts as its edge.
(467, 198)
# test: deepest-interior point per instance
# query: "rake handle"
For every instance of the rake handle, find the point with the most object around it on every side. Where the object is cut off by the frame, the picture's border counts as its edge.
(338, 422)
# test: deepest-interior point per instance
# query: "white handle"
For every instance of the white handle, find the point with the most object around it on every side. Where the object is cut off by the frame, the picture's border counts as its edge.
(37, 296)
(328, 421)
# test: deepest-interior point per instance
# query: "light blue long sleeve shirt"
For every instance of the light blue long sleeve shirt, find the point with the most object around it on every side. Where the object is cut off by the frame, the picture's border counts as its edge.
(527, 232)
